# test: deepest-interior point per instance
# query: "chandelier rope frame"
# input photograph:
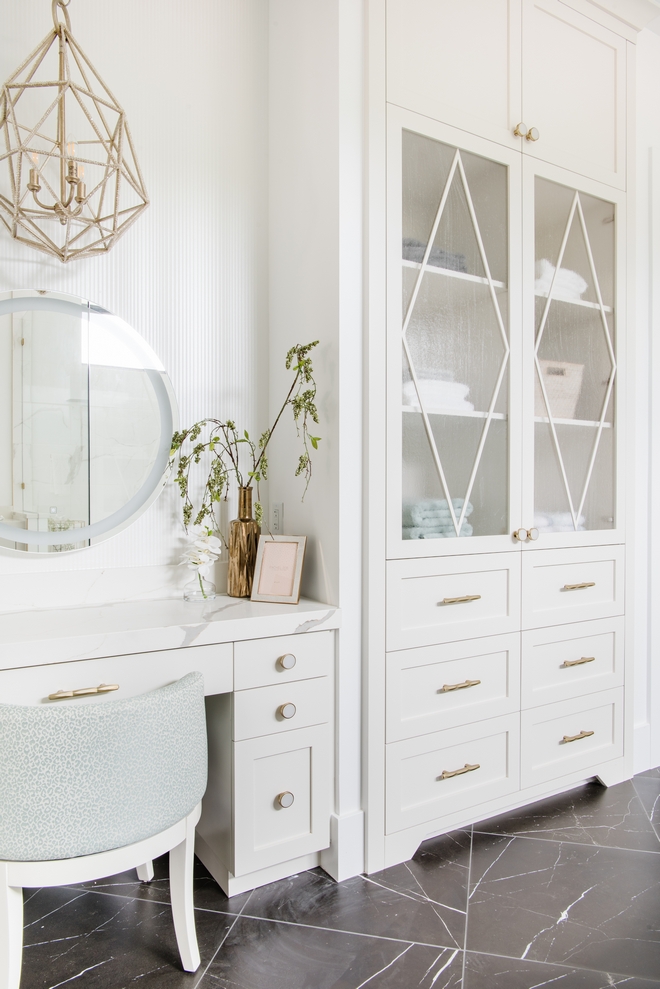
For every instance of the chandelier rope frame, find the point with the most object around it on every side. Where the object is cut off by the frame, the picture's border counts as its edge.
(76, 222)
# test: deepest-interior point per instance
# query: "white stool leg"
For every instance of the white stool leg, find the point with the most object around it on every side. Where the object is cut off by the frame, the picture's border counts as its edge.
(181, 888)
(145, 872)
(11, 932)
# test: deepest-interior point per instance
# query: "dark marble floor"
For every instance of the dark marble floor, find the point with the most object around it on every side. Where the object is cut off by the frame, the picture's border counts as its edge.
(564, 893)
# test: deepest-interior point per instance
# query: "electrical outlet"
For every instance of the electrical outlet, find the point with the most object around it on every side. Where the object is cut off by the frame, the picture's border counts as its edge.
(277, 518)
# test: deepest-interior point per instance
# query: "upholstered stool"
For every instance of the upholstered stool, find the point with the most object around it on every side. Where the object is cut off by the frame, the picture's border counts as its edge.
(87, 791)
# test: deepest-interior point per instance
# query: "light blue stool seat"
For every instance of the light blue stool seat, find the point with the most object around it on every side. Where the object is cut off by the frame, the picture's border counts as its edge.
(100, 785)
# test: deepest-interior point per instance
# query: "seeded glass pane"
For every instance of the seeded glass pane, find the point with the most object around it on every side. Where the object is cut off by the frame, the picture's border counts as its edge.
(576, 364)
(455, 340)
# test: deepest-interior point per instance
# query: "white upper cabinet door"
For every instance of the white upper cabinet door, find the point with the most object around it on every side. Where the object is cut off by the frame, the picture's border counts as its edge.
(574, 91)
(457, 62)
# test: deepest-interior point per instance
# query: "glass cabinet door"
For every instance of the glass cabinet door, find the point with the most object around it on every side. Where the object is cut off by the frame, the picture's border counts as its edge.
(455, 346)
(575, 360)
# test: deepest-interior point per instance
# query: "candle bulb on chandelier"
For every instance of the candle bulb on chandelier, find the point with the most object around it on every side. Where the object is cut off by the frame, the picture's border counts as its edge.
(81, 189)
(34, 185)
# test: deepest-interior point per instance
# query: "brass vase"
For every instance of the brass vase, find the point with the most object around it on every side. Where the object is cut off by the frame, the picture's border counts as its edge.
(243, 538)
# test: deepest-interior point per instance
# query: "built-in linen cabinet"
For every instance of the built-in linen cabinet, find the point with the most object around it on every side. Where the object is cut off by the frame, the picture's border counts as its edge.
(504, 508)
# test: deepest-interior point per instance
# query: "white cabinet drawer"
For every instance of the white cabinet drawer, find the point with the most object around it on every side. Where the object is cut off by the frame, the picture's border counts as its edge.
(282, 707)
(416, 789)
(573, 735)
(572, 585)
(295, 763)
(572, 660)
(440, 600)
(437, 687)
(135, 674)
(258, 662)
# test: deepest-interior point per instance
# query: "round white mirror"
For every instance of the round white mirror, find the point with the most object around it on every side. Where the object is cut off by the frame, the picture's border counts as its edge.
(87, 414)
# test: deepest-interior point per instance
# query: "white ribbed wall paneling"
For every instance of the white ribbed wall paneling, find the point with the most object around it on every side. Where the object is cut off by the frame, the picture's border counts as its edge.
(191, 274)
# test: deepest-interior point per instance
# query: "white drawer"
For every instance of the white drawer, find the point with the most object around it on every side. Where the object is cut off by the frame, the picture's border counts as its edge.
(416, 789)
(265, 832)
(135, 674)
(484, 675)
(546, 753)
(282, 707)
(257, 661)
(572, 585)
(440, 600)
(572, 660)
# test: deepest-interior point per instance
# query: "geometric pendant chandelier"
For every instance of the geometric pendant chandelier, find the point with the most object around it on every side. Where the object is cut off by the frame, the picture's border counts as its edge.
(70, 183)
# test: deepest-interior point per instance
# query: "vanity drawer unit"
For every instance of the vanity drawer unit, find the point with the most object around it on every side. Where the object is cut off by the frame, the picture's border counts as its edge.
(579, 734)
(438, 600)
(572, 585)
(281, 707)
(450, 771)
(259, 662)
(77, 682)
(437, 687)
(282, 797)
(571, 661)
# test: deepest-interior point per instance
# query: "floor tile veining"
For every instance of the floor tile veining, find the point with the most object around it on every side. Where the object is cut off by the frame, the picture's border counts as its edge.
(564, 893)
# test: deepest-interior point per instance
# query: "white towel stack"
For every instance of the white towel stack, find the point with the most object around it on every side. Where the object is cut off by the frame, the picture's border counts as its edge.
(568, 284)
(438, 395)
(431, 519)
(558, 522)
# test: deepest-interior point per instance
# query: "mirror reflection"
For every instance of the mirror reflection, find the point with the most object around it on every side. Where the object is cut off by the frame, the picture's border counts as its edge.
(86, 418)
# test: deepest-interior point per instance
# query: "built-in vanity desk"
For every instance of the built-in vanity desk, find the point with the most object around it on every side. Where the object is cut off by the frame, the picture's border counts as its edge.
(268, 676)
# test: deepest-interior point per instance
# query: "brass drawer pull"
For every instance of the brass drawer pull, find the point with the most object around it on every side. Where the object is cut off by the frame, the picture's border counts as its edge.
(461, 600)
(467, 768)
(103, 688)
(578, 662)
(458, 686)
(285, 799)
(287, 661)
(287, 711)
(578, 587)
(575, 738)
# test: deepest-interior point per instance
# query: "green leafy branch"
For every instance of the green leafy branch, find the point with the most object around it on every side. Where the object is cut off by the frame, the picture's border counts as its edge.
(224, 444)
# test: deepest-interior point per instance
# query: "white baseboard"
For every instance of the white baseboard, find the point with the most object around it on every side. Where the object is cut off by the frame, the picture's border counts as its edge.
(345, 856)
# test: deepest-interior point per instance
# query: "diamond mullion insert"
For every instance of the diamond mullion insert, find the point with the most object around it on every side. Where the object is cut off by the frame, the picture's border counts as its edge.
(576, 207)
(457, 165)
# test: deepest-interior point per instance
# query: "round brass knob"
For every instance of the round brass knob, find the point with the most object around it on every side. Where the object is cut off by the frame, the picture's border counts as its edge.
(284, 799)
(521, 130)
(520, 535)
(286, 711)
(287, 661)
(532, 134)
(533, 534)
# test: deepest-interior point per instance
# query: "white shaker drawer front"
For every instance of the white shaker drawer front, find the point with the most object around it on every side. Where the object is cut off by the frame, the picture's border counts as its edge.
(133, 674)
(573, 735)
(435, 600)
(282, 789)
(566, 585)
(572, 660)
(452, 770)
(437, 687)
(283, 707)
(258, 662)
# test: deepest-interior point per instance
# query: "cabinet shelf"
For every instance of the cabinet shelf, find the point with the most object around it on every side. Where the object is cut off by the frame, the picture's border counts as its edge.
(454, 412)
(574, 422)
(572, 302)
(462, 276)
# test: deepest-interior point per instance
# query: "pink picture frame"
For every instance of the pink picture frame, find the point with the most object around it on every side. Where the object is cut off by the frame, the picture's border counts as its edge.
(278, 569)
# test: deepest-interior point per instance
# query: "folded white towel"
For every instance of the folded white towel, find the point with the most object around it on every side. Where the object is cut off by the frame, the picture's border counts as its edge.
(568, 284)
(558, 522)
(418, 514)
(439, 532)
(448, 395)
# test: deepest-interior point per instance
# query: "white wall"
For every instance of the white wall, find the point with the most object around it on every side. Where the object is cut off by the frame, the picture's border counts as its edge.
(191, 274)
(647, 672)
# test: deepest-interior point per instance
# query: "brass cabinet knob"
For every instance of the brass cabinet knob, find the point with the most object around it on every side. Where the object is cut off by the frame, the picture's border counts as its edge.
(284, 799)
(529, 133)
(533, 534)
(520, 535)
(287, 661)
(286, 711)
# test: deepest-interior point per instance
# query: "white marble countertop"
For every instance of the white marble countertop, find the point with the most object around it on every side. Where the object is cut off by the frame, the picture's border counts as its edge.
(34, 638)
